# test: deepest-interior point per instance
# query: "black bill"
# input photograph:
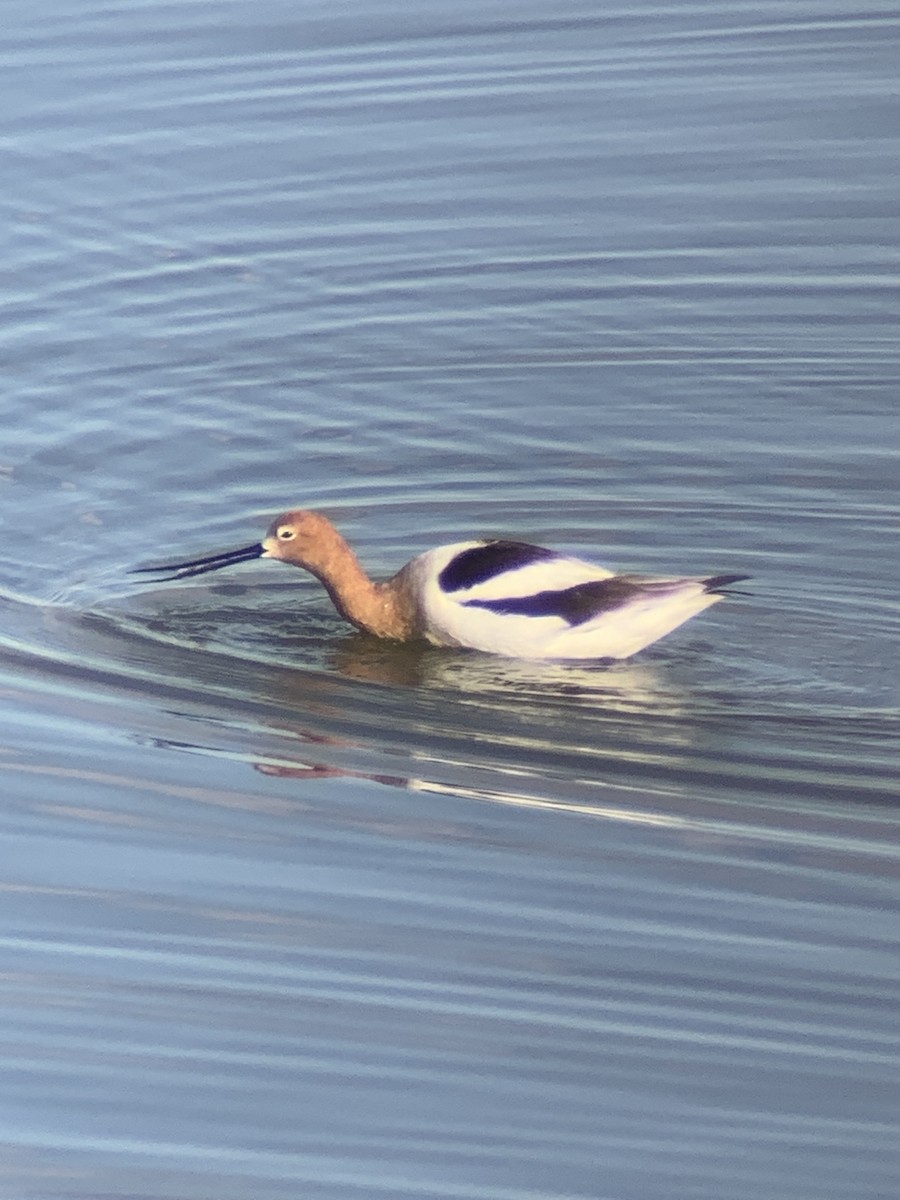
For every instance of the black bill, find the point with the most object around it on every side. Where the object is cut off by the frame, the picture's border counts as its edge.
(200, 566)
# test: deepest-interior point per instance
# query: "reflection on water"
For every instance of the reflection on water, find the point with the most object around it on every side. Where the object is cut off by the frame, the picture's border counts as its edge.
(382, 710)
(626, 687)
(333, 922)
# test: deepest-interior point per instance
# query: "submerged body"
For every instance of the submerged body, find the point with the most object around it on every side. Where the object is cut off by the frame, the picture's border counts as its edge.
(503, 597)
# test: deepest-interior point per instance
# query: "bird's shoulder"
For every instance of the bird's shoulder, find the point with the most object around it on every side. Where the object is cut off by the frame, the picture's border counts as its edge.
(498, 568)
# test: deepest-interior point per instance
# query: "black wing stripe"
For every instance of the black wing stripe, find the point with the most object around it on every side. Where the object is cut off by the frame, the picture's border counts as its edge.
(575, 605)
(717, 582)
(478, 564)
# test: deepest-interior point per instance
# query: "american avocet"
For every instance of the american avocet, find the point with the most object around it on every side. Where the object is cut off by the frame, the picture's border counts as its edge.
(503, 597)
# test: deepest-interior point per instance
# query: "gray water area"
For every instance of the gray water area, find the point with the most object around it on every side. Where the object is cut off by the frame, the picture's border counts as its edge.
(288, 912)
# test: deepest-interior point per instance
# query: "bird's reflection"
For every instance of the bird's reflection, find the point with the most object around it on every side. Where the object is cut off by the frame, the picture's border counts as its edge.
(614, 686)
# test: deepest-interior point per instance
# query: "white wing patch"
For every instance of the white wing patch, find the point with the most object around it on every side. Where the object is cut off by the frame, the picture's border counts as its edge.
(450, 622)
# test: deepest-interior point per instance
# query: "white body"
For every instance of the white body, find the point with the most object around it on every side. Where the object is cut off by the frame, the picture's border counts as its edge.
(616, 633)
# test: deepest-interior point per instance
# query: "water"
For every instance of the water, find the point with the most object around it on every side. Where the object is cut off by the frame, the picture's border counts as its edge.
(288, 912)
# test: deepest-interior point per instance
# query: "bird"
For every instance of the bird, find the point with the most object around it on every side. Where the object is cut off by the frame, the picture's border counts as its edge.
(498, 596)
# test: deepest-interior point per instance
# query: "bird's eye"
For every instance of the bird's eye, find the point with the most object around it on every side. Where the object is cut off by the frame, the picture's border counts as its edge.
(285, 533)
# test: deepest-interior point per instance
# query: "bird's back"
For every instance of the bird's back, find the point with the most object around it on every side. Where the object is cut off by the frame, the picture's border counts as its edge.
(515, 598)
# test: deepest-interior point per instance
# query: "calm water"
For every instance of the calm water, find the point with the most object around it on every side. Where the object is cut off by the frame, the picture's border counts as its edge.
(289, 913)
